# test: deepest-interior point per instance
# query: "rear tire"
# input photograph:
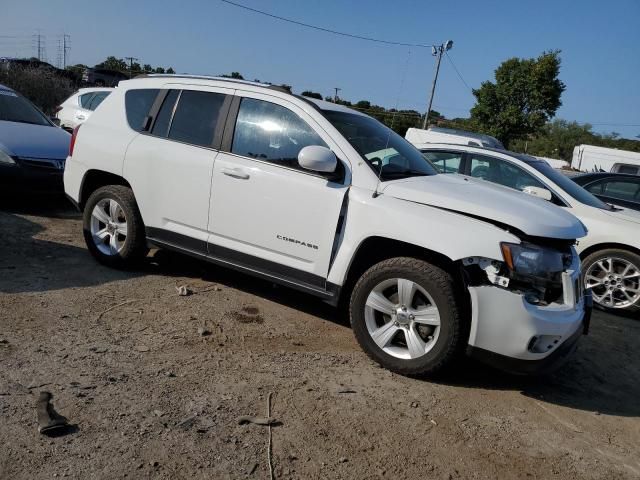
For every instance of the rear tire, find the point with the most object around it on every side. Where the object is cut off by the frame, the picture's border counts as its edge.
(113, 228)
(405, 315)
(604, 272)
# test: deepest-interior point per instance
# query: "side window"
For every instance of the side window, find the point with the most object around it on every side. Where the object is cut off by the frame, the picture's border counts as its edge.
(621, 189)
(163, 120)
(195, 117)
(595, 188)
(97, 100)
(502, 172)
(266, 131)
(628, 169)
(445, 162)
(137, 104)
(85, 99)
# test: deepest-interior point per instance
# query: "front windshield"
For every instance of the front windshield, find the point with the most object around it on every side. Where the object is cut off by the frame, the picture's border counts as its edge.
(386, 152)
(569, 186)
(14, 108)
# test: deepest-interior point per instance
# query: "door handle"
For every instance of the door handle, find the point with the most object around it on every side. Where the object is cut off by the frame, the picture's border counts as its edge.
(81, 117)
(236, 173)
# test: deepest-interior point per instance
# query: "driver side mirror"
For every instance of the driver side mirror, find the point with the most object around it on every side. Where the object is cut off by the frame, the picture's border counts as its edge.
(539, 192)
(55, 120)
(317, 159)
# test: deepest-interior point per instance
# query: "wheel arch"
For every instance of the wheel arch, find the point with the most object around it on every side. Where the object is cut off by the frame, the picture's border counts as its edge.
(375, 249)
(94, 179)
(605, 246)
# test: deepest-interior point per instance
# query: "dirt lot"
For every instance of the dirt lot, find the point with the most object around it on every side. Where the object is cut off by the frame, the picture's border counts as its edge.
(152, 397)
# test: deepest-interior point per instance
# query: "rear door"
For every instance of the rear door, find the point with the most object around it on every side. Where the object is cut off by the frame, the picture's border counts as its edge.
(267, 213)
(170, 166)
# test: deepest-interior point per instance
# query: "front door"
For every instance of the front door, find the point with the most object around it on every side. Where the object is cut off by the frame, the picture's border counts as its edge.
(268, 213)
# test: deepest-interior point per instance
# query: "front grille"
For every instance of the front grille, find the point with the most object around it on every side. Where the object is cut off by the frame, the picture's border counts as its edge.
(42, 163)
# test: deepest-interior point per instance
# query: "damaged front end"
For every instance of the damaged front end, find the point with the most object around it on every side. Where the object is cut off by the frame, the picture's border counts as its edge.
(527, 308)
(540, 273)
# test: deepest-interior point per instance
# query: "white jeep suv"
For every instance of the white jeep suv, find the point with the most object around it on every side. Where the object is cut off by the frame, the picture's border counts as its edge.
(296, 191)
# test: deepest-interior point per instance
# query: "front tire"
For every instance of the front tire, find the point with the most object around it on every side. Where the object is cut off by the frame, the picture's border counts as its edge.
(405, 315)
(113, 228)
(613, 275)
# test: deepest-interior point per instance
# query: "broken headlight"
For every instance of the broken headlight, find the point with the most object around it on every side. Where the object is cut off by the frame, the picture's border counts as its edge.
(529, 260)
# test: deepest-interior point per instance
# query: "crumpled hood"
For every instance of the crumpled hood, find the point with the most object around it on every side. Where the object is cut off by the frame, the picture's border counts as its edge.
(34, 141)
(533, 216)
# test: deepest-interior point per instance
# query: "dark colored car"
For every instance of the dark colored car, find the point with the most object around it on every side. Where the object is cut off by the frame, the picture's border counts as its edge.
(33, 150)
(616, 188)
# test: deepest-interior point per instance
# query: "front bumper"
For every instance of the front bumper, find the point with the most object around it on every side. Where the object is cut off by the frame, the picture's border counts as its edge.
(514, 335)
(32, 175)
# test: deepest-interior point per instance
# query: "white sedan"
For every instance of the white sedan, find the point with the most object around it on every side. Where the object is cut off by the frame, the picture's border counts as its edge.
(79, 106)
(610, 252)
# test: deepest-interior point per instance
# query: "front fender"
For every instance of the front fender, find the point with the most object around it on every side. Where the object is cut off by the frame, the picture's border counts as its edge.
(451, 234)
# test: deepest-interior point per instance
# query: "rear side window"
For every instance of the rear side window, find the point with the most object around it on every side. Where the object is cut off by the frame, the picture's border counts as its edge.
(266, 131)
(85, 99)
(195, 117)
(97, 100)
(137, 104)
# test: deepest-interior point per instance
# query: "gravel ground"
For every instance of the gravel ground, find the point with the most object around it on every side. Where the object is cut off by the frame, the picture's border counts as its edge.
(154, 382)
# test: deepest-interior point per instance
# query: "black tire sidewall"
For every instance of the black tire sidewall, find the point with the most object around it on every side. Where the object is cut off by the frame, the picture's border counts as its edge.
(132, 249)
(440, 286)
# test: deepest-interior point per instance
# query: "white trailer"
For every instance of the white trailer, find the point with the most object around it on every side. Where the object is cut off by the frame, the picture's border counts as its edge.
(418, 136)
(589, 158)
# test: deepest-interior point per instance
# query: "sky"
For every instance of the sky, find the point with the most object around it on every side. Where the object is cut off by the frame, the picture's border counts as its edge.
(600, 44)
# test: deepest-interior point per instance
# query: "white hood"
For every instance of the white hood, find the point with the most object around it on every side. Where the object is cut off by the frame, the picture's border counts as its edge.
(462, 194)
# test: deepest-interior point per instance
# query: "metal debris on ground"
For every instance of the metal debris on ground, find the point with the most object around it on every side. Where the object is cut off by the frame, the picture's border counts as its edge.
(267, 421)
(184, 291)
(50, 422)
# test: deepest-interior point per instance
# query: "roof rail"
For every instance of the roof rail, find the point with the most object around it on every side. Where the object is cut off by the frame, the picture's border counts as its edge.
(277, 88)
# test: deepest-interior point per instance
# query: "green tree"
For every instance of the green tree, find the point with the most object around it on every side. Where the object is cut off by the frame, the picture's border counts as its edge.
(113, 63)
(171, 71)
(525, 95)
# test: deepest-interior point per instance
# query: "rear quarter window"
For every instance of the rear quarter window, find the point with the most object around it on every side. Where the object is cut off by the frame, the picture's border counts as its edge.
(138, 103)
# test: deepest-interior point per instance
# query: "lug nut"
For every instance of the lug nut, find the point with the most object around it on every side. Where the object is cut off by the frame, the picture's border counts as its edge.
(412, 317)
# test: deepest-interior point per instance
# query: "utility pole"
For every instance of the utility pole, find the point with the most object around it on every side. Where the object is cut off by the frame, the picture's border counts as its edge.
(436, 51)
(39, 45)
(65, 48)
(335, 96)
(131, 60)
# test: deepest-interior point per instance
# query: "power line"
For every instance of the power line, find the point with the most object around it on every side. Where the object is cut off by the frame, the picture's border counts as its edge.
(327, 30)
(458, 72)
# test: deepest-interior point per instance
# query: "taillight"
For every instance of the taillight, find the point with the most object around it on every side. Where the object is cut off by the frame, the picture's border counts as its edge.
(72, 144)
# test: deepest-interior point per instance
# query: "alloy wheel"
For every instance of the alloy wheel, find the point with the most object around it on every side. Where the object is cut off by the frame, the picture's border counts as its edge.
(108, 226)
(402, 318)
(615, 282)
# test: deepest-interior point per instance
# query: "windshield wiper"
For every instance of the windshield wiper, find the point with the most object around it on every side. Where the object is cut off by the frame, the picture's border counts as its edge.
(406, 173)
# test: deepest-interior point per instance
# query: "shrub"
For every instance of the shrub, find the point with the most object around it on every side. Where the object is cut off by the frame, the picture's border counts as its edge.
(42, 86)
